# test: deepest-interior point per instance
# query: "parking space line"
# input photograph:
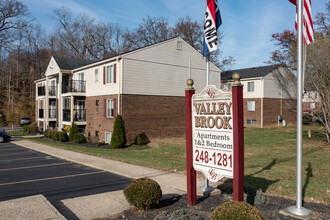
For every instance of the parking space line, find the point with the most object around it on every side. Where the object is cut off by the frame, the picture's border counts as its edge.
(52, 178)
(28, 158)
(28, 167)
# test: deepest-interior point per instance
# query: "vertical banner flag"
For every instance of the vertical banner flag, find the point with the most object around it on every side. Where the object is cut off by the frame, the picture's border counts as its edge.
(211, 24)
(308, 31)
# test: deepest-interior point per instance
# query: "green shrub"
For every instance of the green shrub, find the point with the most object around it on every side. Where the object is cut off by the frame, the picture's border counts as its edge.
(143, 193)
(236, 210)
(73, 131)
(46, 133)
(26, 128)
(56, 136)
(118, 138)
(62, 136)
(138, 140)
(79, 138)
(33, 129)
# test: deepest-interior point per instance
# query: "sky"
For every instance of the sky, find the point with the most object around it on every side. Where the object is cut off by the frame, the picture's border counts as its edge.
(247, 25)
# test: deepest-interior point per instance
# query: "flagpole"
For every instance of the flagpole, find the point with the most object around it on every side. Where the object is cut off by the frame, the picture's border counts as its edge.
(298, 209)
(206, 188)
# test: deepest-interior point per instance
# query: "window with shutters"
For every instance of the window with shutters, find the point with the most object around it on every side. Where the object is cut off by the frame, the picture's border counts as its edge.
(251, 105)
(110, 108)
(109, 74)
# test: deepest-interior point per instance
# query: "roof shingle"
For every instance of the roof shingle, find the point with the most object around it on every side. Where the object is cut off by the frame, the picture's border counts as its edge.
(253, 72)
(66, 63)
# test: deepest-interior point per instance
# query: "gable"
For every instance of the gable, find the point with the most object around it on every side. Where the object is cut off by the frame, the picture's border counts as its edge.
(52, 67)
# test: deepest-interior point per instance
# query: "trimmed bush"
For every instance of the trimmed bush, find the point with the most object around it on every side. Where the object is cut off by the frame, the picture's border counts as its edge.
(138, 140)
(56, 136)
(73, 131)
(33, 129)
(26, 128)
(79, 138)
(62, 136)
(118, 138)
(143, 193)
(236, 210)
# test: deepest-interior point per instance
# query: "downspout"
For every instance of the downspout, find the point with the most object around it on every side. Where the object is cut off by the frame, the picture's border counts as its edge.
(119, 102)
(262, 104)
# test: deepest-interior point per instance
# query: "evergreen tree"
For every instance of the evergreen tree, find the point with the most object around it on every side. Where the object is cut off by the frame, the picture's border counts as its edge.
(118, 138)
(73, 131)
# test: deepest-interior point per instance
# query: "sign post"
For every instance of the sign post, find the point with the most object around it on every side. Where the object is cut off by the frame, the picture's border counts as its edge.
(191, 172)
(238, 133)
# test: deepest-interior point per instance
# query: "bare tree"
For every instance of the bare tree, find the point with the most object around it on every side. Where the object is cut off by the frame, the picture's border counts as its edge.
(150, 31)
(317, 71)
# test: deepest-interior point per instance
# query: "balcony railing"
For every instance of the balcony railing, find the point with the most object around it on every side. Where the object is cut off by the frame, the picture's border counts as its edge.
(41, 91)
(52, 90)
(66, 115)
(74, 86)
(80, 115)
(52, 113)
(41, 113)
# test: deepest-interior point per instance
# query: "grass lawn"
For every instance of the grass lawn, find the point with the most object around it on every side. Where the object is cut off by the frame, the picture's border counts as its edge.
(270, 159)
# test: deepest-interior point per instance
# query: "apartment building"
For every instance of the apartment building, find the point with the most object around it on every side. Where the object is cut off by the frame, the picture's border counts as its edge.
(269, 99)
(146, 86)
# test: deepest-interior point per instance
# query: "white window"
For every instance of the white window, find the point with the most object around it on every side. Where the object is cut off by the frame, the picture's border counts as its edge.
(250, 86)
(312, 105)
(107, 138)
(251, 105)
(110, 108)
(251, 122)
(109, 74)
(96, 75)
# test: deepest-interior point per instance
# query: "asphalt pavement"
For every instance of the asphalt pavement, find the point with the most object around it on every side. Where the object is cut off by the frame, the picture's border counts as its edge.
(25, 172)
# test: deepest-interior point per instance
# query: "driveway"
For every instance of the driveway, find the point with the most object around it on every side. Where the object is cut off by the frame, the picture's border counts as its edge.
(26, 172)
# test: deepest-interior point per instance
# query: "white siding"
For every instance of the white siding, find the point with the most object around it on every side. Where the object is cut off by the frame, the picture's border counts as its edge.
(273, 88)
(52, 68)
(258, 88)
(163, 70)
(98, 88)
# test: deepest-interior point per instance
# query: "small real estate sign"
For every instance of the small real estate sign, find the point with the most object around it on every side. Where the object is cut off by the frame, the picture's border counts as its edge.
(212, 131)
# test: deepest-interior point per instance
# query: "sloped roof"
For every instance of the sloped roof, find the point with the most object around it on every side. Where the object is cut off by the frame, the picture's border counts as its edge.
(253, 72)
(67, 63)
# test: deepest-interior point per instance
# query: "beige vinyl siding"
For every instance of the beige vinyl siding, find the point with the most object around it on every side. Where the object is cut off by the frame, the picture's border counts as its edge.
(163, 70)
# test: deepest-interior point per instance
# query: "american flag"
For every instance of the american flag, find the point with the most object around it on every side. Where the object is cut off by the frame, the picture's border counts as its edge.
(308, 32)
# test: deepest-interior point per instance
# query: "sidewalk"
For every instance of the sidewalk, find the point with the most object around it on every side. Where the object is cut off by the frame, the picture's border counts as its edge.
(108, 204)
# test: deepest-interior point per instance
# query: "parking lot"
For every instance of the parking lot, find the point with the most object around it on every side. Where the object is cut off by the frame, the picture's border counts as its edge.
(25, 172)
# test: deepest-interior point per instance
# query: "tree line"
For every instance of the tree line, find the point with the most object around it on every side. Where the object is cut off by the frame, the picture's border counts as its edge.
(25, 48)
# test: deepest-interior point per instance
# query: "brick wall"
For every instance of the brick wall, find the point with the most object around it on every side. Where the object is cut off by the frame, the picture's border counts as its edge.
(156, 116)
(96, 121)
(271, 110)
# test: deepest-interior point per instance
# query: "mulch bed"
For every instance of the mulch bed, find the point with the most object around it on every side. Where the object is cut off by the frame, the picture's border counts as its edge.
(205, 206)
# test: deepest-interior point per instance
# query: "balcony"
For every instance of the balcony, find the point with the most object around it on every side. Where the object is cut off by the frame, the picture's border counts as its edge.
(52, 91)
(52, 113)
(41, 113)
(80, 115)
(78, 86)
(41, 91)
(66, 115)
